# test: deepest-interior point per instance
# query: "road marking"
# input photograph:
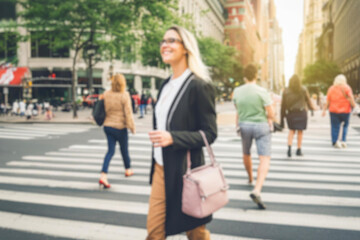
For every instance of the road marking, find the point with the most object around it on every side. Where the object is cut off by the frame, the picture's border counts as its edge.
(145, 179)
(145, 190)
(273, 217)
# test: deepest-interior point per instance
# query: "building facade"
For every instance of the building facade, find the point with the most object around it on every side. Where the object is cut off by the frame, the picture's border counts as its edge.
(207, 16)
(345, 17)
(252, 28)
(51, 71)
(276, 51)
(313, 22)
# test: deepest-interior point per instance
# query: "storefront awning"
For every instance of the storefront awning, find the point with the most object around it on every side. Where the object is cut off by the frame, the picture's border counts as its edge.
(13, 75)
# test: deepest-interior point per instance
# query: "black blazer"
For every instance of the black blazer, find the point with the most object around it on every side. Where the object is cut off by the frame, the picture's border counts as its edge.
(193, 109)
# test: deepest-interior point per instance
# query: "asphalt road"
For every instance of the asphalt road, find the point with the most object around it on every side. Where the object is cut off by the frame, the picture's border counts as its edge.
(49, 174)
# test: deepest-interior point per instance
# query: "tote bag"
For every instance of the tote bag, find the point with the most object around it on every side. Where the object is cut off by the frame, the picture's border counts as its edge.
(204, 187)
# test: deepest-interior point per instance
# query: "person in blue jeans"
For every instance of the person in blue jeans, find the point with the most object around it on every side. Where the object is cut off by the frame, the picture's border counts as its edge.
(118, 119)
(339, 101)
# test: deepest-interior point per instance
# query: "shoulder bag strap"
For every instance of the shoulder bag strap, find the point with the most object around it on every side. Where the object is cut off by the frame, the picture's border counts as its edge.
(209, 150)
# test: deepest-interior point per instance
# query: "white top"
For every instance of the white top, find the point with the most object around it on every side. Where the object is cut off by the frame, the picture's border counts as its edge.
(163, 105)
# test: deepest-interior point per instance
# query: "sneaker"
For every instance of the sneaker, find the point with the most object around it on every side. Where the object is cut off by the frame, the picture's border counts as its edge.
(343, 144)
(337, 145)
(257, 199)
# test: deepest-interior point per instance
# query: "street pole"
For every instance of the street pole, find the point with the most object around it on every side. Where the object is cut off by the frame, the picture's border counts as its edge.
(6, 93)
(90, 75)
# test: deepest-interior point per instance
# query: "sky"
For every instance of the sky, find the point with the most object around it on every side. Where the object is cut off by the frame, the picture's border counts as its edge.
(290, 16)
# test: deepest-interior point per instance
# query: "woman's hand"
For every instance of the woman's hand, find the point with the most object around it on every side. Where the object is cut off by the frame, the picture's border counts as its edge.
(323, 113)
(160, 138)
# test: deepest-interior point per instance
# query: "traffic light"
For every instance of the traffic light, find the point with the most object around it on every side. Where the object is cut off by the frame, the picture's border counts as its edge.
(29, 83)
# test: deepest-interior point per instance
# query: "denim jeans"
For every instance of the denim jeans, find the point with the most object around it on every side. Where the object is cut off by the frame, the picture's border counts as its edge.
(114, 135)
(336, 119)
(142, 109)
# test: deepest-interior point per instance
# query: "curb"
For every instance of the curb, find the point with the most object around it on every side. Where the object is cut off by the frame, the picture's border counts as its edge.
(49, 122)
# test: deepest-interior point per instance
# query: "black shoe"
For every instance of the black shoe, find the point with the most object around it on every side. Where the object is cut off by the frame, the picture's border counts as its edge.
(257, 199)
(289, 152)
(299, 153)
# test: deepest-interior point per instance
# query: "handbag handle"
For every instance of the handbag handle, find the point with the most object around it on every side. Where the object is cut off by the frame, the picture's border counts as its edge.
(209, 150)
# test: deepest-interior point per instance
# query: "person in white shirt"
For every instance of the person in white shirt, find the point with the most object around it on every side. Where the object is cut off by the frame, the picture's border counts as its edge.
(186, 104)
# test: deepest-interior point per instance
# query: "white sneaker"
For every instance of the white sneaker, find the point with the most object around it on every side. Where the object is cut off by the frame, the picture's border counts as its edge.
(337, 145)
(343, 144)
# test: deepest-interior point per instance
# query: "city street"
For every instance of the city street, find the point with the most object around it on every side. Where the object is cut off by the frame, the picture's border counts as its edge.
(49, 184)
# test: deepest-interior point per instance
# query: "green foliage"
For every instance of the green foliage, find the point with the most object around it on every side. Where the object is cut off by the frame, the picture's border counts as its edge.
(156, 17)
(224, 61)
(321, 74)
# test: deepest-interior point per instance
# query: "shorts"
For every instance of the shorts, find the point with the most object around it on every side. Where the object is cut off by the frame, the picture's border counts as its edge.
(261, 133)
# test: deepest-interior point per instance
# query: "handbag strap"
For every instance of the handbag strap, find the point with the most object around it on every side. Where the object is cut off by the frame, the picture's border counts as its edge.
(209, 150)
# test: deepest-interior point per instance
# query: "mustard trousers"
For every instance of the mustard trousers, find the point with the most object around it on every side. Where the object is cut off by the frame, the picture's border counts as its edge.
(157, 211)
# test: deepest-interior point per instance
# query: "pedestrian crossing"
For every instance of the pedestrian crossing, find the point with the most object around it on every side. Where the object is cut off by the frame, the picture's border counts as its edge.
(311, 197)
(33, 131)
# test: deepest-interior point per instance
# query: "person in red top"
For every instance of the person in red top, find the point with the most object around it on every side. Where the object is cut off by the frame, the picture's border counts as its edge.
(339, 101)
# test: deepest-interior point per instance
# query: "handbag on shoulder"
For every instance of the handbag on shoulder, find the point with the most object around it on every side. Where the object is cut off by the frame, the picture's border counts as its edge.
(99, 112)
(204, 187)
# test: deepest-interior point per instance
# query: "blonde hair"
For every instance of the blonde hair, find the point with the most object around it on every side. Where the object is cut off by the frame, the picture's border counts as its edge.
(118, 83)
(340, 80)
(194, 61)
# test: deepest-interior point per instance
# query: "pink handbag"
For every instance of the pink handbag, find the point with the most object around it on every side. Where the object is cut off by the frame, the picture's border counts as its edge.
(204, 187)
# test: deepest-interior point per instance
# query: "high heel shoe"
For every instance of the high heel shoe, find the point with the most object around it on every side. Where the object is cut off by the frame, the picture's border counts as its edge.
(129, 172)
(101, 182)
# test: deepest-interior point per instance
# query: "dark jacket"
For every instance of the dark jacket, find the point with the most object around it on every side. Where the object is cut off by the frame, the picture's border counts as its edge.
(193, 109)
(294, 102)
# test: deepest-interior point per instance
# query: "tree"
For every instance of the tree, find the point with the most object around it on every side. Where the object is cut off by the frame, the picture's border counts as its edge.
(321, 74)
(224, 61)
(77, 24)
(155, 19)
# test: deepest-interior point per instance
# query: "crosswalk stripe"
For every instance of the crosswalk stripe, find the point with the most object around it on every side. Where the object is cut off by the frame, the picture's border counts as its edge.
(274, 217)
(222, 146)
(68, 228)
(235, 155)
(145, 179)
(294, 162)
(278, 167)
(22, 133)
(145, 190)
(83, 230)
(225, 141)
(2, 136)
(228, 173)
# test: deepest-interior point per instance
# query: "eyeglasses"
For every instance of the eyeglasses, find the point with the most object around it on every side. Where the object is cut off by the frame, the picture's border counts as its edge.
(170, 41)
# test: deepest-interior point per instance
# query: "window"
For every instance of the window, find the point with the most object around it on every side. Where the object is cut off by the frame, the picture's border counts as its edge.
(241, 11)
(129, 81)
(146, 81)
(42, 45)
(7, 10)
(8, 45)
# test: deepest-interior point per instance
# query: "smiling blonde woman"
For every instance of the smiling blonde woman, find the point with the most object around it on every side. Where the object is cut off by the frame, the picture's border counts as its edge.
(186, 104)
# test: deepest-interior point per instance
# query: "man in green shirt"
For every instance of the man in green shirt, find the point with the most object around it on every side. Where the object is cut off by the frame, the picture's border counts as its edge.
(254, 118)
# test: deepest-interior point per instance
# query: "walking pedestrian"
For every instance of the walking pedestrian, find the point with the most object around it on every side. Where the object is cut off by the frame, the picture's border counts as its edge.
(339, 101)
(186, 104)
(15, 108)
(118, 119)
(295, 103)
(255, 120)
(22, 107)
(143, 101)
